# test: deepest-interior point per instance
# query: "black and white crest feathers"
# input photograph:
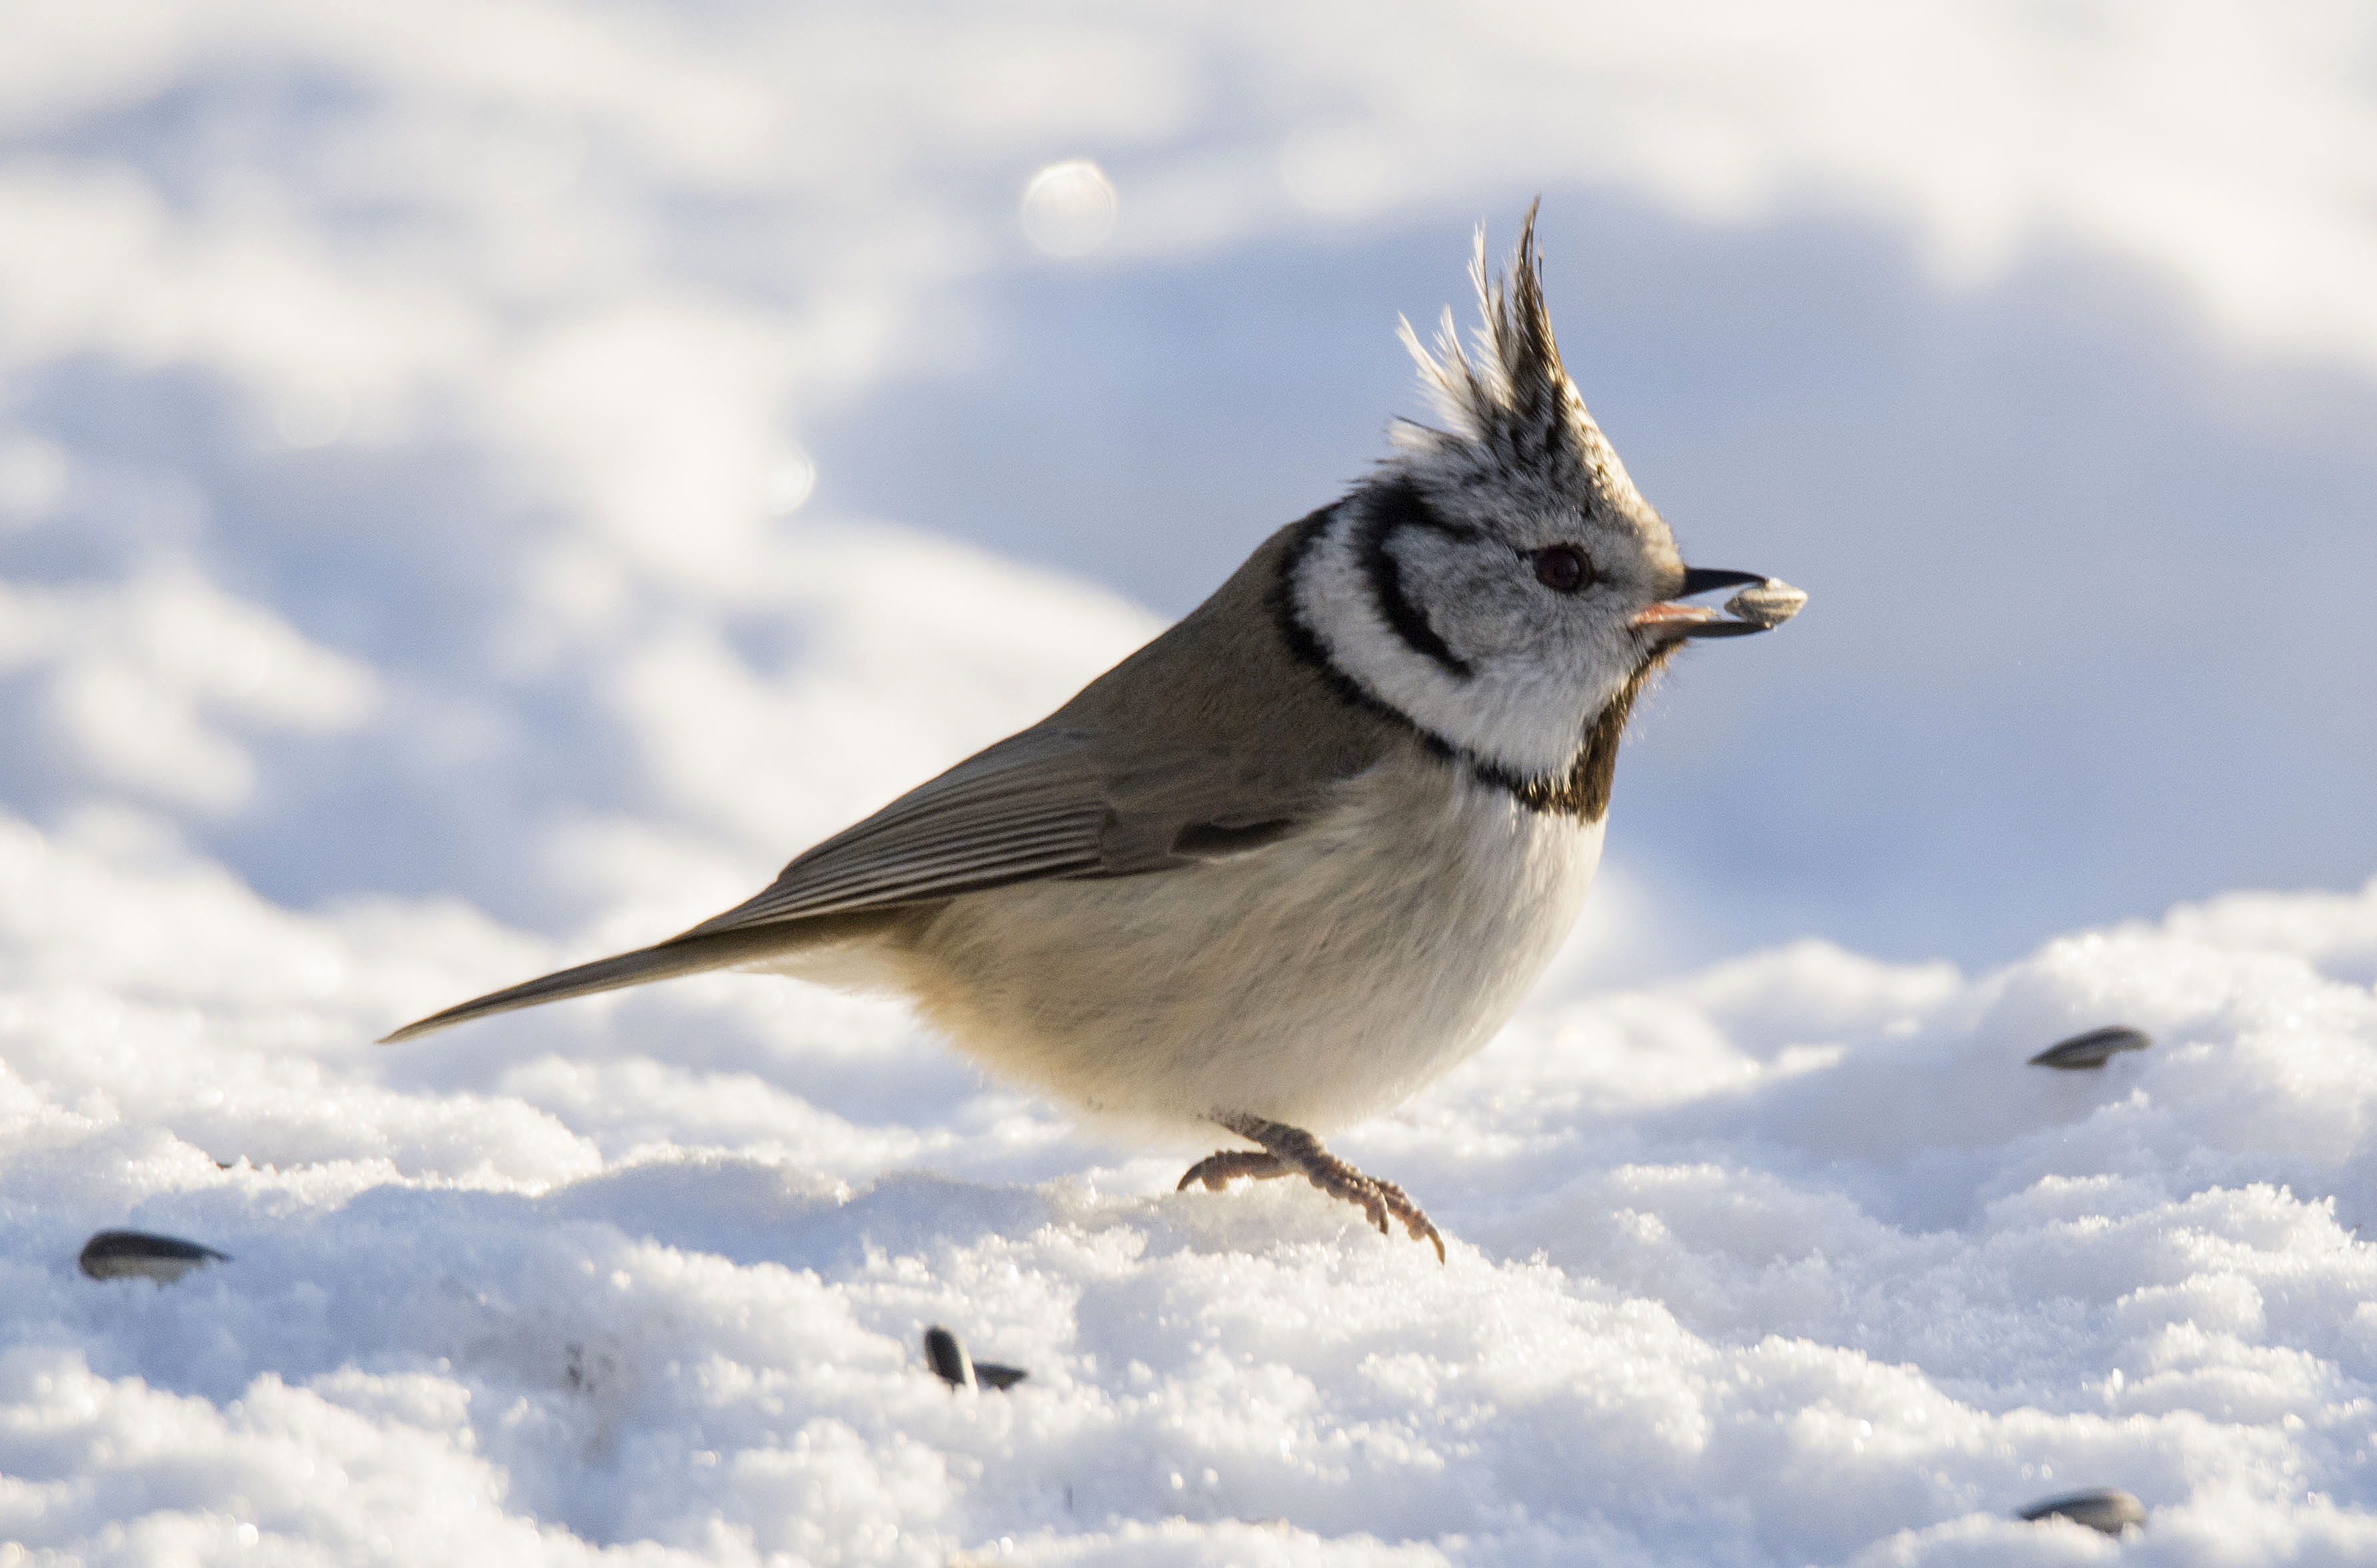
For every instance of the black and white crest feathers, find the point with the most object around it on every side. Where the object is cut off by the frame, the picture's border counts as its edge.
(1506, 396)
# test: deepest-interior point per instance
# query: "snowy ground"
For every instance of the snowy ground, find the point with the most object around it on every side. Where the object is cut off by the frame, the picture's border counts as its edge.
(421, 564)
(1791, 1260)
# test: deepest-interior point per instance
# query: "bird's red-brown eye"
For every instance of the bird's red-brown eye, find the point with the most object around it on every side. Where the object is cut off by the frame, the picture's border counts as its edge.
(1563, 568)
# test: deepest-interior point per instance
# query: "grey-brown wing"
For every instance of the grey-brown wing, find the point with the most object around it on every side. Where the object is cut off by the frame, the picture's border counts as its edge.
(1038, 805)
(1214, 740)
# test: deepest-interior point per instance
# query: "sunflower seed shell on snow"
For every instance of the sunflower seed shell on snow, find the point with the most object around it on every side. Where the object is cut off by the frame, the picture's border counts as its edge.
(126, 1255)
(1768, 604)
(2110, 1511)
(950, 1363)
(948, 1358)
(2093, 1049)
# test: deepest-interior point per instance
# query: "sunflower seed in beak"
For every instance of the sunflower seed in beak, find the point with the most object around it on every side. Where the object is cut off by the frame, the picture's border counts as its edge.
(1765, 604)
(1768, 605)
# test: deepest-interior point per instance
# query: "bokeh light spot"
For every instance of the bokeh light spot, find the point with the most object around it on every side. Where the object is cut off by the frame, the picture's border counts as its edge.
(790, 483)
(1069, 208)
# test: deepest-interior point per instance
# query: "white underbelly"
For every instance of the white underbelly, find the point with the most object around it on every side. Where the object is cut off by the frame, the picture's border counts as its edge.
(1315, 983)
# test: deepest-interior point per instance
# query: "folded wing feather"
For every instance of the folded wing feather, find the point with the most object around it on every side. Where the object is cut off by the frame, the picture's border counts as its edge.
(1032, 806)
(1038, 805)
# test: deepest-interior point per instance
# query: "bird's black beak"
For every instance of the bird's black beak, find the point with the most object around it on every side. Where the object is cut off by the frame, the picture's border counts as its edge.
(1763, 604)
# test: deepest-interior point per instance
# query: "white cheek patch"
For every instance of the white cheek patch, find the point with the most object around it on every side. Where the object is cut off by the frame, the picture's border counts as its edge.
(1523, 710)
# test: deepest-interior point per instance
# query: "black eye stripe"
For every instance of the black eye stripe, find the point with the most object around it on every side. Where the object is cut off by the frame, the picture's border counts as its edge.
(1582, 792)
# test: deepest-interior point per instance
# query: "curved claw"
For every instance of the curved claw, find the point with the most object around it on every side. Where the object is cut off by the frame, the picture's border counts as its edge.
(1290, 1150)
(1216, 1168)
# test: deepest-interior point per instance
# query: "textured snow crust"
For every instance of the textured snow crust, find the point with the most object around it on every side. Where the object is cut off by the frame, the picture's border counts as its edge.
(1791, 1260)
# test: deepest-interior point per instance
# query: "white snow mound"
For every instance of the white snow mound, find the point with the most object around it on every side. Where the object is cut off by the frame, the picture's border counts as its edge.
(1790, 1261)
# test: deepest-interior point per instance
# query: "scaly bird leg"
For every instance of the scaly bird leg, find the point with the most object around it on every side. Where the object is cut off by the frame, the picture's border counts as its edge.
(1287, 1151)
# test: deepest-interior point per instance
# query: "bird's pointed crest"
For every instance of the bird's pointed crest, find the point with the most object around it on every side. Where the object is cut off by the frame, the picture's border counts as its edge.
(1506, 391)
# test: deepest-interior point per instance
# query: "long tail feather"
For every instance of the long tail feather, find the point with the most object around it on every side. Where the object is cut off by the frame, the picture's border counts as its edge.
(679, 956)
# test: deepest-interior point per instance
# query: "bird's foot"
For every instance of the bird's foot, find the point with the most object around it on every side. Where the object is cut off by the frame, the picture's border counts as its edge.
(1216, 1168)
(1291, 1150)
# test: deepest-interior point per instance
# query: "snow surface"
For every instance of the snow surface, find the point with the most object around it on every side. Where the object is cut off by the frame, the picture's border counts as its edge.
(406, 585)
(1791, 1260)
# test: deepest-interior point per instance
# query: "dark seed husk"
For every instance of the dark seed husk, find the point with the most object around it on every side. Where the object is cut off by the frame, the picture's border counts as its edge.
(2110, 1511)
(2093, 1049)
(948, 1358)
(125, 1254)
(950, 1363)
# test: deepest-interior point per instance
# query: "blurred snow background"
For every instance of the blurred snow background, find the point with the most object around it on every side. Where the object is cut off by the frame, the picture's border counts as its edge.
(481, 485)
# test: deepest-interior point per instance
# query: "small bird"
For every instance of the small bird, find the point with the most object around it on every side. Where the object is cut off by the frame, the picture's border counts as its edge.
(1305, 850)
